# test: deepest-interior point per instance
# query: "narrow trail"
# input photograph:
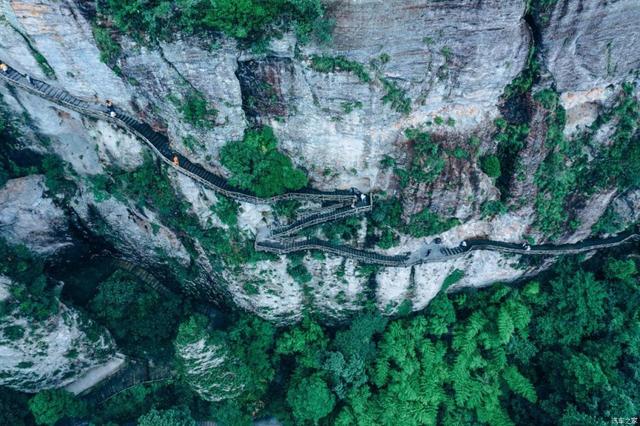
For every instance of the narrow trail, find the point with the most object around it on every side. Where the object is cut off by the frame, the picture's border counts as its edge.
(281, 239)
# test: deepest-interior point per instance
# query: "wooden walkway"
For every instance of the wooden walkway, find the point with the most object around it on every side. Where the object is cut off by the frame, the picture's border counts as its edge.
(278, 239)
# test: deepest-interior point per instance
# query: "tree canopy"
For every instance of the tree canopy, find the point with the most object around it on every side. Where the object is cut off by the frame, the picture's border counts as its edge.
(256, 164)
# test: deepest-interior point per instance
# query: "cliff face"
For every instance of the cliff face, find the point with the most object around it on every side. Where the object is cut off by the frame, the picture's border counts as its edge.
(28, 217)
(451, 59)
(50, 353)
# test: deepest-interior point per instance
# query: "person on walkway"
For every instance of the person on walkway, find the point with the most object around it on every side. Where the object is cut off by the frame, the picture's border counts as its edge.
(176, 162)
(3, 67)
(112, 112)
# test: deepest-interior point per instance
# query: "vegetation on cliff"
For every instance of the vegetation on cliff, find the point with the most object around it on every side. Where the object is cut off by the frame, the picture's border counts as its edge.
(558, 350)
(247, 20)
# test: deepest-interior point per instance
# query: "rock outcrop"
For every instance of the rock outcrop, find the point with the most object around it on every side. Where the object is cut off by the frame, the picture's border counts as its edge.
(591, 44)
(49, 353)
(450, 59)
(29, 217)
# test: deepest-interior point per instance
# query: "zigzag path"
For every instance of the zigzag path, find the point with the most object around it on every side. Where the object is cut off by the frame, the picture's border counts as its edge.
(281, 239)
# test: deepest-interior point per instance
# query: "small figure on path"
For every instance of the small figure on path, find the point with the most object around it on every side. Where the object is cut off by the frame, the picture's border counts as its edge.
(3, 67)
(176, 162)
(109, 104)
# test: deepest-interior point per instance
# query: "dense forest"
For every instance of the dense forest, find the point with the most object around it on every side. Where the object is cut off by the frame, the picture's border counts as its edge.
(560, 349)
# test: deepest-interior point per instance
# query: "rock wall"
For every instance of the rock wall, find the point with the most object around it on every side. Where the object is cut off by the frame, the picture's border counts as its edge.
(29, 217)
(453, 59)
(51, 353)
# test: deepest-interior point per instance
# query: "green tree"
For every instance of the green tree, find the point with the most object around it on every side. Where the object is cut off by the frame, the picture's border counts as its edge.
(310, 399)
(14, 408)
(139, 318)
(49, 406)
(490, 164)
(170, 417)
(230, 366)
(256, 164)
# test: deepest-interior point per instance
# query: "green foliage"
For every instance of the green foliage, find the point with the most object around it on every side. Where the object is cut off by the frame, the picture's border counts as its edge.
(256, 164)
(510, 138)
(519, 384)
(350, 106)
(246, 20)
(555, 178)
(196, 110)
(230, 364)
(427, 162)
(286, 208)
(566, 170)
(298, 270)
(227, 210)
(328, 64)
(396, 96)
(109, 48)
(31, 294)
(310, 399)
(428, 223)
(490, 164)
(49, 406)
(14, 408)
(455, 276)
(130, 310)
(384, 219)
(493, 208)
(524, 81)
(619, 164)
(170, 417)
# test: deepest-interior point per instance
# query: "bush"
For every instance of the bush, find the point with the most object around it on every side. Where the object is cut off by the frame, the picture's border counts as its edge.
(256, 164)
(427, 162)
(396, 96)
(171, 417)
(36, 299)
(310, 399)
(110, 50)
(490, 164)
(130, 311)
(195, 110)
(246, 20)
(227, 210)
(339, 63)
(428, 223)
(49, 406)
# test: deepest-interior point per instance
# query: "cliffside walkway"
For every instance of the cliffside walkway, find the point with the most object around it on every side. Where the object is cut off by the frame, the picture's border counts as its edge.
(279, 239)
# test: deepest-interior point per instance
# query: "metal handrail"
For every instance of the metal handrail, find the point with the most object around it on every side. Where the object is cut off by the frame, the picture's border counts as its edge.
(274, 241)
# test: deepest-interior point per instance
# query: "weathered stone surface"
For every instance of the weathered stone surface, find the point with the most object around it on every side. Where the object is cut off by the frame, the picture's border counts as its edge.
(166, 75)
(627, 207)
(589, 44)
(453, 59)
(51, 353)
(29, 217)
(59, 32)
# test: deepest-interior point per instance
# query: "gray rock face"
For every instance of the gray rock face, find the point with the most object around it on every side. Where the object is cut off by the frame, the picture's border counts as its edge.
(58, 31)
(451, 58)
(454, 51)
(55, 352)
(592, 43)
(29, 217)
(168, 74)
(627, 207)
